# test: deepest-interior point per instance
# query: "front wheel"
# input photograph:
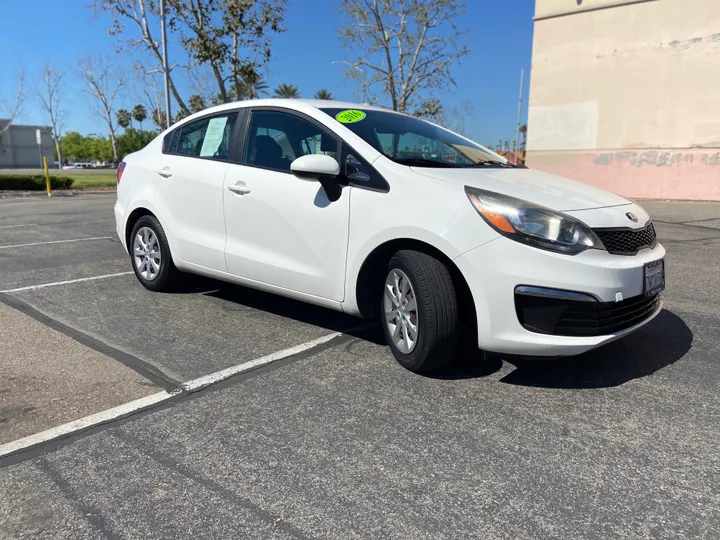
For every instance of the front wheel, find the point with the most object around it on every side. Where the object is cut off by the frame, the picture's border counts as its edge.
(419, 311)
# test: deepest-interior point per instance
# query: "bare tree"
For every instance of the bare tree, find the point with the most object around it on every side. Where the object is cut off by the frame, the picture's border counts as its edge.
(137, 12)
(49, 95)
(103, 83)
(408, 47)
(16, 106)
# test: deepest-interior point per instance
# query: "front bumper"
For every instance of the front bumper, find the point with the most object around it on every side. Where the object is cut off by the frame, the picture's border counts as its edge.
(494, 270)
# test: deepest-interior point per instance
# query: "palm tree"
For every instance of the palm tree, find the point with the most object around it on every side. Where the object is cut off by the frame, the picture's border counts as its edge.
(252, 87)
(159, 118)
(287, 91)
(182, 113)
(197, 103)
(139, 114)
(323, 94)
(123, 118)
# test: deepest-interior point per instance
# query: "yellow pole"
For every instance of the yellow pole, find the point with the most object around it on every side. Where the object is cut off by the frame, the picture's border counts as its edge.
(47, 176)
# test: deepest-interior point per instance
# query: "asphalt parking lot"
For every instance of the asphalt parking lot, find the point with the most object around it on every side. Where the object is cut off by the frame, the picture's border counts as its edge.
(338, 441)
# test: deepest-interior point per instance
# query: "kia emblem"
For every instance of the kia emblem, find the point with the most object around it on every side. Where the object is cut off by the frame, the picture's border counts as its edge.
(632, 217)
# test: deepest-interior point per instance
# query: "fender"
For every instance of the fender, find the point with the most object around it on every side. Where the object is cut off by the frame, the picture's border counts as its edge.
(355, 264)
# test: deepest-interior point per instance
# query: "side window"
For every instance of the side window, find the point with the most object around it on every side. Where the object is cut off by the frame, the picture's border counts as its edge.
(275, 139)
(208, 137)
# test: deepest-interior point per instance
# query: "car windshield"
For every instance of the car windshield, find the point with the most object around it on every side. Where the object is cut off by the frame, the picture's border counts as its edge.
(415, 142)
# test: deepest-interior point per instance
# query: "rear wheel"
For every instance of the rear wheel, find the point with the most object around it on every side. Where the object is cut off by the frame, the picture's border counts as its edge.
(419, 311)
(150, 255)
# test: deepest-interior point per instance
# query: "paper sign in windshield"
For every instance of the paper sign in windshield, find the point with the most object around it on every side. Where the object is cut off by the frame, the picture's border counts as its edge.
(350, 116)
(213, 137)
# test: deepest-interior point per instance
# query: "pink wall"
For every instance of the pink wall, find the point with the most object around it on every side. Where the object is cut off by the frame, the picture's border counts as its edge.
(691, 174)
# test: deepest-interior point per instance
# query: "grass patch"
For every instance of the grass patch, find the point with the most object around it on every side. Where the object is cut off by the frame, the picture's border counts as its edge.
(84, 181)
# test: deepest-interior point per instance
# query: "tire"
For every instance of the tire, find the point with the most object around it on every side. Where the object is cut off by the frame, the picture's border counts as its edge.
(436, 314)
(163, 274)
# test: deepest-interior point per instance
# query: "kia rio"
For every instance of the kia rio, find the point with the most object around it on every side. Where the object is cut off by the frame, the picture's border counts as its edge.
(380, 214)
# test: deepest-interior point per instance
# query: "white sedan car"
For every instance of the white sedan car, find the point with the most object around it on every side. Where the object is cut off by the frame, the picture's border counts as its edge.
(380, 214)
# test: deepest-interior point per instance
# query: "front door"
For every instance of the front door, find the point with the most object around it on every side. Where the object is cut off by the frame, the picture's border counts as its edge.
(282, 230)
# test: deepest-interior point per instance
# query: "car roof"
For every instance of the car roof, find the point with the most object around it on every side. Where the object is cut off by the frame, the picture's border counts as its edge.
(298, 104)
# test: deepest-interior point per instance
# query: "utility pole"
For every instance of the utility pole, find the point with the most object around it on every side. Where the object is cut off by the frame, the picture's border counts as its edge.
(517, 132)
(166, 73)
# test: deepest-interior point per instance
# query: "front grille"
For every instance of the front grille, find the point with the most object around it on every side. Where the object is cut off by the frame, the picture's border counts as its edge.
(627, 241)
(562, 317)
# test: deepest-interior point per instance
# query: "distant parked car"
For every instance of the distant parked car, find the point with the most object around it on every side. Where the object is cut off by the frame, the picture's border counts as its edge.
(381, 214)
(77, 166)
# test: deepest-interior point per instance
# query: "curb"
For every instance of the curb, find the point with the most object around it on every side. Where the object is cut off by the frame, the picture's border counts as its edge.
(12, 194)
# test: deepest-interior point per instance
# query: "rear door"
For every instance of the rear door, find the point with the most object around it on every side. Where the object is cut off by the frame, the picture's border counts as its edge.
(281, 230)
(189, 188)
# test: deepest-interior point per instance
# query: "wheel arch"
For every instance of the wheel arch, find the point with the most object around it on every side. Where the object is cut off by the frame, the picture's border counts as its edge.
(132, 219)
(374, 267)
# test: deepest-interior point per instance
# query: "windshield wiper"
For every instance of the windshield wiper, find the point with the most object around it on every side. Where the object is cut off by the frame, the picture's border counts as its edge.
(420, 162)
(492, 163)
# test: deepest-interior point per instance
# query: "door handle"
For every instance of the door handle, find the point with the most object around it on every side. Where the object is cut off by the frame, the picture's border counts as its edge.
(240, 188)
(165, 172)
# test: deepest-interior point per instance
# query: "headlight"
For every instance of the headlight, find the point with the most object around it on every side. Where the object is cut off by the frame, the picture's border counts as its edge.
(533, 225)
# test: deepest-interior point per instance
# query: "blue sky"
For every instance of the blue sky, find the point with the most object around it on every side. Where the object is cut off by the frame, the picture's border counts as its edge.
(499, 38)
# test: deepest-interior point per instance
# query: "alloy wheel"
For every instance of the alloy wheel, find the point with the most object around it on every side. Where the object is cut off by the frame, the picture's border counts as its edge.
(146, 253)
(401, 311)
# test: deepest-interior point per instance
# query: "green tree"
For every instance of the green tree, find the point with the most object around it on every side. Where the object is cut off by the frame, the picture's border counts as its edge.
(133, 140)
(323, 94)
(123, 118)
(287, 91)
(74, 146)
(405, 48)
(232, 37)
(139, 114)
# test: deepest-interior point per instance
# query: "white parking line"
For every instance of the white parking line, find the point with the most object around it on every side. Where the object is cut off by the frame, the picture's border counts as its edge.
(201, 382)
(16, 226)
(69, 281)
(120, 411)
(57, 242)
(83, 423)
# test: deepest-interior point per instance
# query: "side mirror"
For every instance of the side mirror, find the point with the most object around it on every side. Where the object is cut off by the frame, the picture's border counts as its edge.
(315, 167)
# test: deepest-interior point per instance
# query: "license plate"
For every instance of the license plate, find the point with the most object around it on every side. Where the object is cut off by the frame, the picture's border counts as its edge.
(654, 277)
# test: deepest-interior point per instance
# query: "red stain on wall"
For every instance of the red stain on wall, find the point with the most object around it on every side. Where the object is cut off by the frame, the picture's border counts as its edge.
(652, 174)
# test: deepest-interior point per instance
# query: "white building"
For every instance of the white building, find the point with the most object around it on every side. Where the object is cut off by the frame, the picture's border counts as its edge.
(19, 148)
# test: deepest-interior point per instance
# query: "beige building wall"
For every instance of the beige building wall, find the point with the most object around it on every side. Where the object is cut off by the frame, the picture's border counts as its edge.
(625, 94)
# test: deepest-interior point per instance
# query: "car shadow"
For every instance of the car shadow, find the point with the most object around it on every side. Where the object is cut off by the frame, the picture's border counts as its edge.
(664, 341)
(240, 298)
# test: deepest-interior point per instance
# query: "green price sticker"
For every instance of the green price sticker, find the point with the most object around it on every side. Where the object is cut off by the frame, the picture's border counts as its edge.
(350, 116)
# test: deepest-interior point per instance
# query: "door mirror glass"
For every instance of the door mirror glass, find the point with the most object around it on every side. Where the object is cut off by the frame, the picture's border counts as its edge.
(315, 167)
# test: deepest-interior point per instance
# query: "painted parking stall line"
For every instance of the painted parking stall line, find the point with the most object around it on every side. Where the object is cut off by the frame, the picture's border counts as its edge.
(128, 409)
(57, 242)
(87, 422)
(18, 226)
(67, 282)
(202, 382)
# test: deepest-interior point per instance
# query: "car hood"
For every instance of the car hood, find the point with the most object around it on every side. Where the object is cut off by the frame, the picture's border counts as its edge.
(541, 188)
